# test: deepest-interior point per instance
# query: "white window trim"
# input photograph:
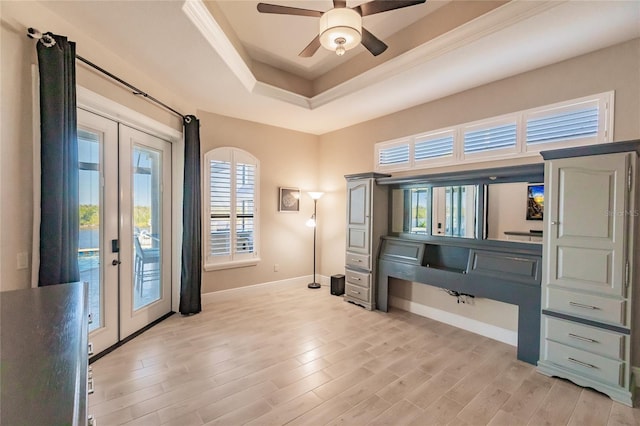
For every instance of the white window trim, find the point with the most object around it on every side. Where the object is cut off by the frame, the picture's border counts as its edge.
(440, 161)
(487, 124)
(233, 260)
(605, 101)
(391, 144)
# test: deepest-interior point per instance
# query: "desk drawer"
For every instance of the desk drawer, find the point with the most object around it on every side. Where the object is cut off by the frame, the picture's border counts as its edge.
(357, 292)
(592, 339)
(585, 363)
(361, 279)
(362, 261)
(586, 305)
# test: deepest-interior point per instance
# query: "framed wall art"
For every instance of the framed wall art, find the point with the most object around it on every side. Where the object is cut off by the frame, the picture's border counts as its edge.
(289, 199)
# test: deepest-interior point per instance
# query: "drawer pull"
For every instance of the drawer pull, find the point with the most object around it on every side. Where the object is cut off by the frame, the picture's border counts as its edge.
(584, 339)
(356, 279)
(584, 364)
(90, 386)
(91, 421)
(90, 349)
(356, 292)
(580, 305)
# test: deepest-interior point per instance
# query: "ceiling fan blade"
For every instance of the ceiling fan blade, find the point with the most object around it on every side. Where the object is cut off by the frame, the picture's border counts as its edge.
(311, 48)
(286, 10)
(377, 6)
(339, 3)
(372, 43)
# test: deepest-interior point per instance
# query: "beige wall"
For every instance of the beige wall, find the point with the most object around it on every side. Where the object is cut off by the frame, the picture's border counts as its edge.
(507, 207)
(350, 150)
(16, 144)
(287, 158)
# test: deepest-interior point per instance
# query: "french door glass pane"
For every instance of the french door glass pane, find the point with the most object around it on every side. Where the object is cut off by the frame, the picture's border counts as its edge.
(147, 226)
(89, 256)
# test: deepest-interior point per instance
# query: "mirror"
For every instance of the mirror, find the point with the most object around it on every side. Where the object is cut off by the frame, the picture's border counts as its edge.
(448, 211)
(515, 211)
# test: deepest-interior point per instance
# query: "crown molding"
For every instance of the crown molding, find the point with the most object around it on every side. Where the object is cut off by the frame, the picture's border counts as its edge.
(503, 17)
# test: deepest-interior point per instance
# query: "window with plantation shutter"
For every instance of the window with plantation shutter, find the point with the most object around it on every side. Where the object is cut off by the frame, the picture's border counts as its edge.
(231, 184)
(575, 122)
(579, 122)
(393, 155)
(491, 138)
(434, 148)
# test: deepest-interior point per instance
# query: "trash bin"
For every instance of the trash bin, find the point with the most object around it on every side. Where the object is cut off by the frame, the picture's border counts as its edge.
(337, 285)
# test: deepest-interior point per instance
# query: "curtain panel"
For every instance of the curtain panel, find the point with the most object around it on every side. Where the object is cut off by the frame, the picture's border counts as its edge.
(190, 282)
(59, 161)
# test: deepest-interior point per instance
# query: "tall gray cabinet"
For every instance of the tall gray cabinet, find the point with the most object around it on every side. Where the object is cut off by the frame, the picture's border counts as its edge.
(587, 303)
(367, 213)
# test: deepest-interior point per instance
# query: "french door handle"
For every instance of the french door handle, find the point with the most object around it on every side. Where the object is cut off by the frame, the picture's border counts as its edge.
(115, 262)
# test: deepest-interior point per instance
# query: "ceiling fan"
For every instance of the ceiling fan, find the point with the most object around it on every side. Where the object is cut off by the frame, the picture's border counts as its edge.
(341, 27)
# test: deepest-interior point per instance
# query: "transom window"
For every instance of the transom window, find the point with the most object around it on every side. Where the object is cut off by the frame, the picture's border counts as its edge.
(582, 121)
(231, 200)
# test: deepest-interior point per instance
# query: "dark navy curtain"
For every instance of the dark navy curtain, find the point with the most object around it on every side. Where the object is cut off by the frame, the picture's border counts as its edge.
(190, 302)
(59, 161)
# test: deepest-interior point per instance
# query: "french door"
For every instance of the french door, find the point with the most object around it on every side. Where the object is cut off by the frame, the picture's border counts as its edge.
(125, 227)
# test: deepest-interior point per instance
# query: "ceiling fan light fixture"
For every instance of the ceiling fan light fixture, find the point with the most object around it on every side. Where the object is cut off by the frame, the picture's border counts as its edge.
(340, 30)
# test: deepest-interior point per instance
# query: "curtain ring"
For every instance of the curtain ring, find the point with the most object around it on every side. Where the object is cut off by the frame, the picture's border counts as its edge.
(47, 40)
(187, 119)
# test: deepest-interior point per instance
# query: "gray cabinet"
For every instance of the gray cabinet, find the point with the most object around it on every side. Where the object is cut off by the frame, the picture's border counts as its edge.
(367, 212)
(587, 275)
(44, 355)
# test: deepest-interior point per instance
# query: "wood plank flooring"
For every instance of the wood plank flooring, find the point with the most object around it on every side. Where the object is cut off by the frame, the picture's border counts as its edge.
(286, 354)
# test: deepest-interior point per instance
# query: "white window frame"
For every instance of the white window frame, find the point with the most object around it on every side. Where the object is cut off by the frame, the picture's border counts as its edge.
(605, 121)
(429, 136)
(233, 260)
(604, 101)
(393, 144)
(510, 119)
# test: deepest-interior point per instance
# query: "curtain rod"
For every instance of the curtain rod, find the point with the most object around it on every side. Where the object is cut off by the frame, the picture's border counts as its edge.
(35, 34)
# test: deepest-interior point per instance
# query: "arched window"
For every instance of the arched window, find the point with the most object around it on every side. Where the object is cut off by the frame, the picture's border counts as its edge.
(231, 221)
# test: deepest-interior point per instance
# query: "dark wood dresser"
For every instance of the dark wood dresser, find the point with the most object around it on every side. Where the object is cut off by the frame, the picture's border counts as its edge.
(43, 356)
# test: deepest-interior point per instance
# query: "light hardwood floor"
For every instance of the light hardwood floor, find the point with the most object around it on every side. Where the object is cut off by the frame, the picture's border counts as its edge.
(290, 355)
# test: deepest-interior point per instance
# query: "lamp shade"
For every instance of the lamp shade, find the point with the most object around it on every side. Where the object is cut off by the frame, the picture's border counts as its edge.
(340, 27)
(315, 195)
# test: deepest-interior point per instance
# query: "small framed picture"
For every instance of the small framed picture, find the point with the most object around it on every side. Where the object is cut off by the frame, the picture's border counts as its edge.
(289, 200)
(535, 201)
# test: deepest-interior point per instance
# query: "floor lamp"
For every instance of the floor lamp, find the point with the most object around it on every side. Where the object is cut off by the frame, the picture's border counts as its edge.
(312, 222)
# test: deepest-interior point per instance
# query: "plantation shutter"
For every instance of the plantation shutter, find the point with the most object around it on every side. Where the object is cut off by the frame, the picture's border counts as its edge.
(435, 147)
(490, 138)
(563, 125)
(220, 196)
(245, 206)
(394, 155)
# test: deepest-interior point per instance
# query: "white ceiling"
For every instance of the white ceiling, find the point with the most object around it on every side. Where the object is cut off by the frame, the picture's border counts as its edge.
(158, 38)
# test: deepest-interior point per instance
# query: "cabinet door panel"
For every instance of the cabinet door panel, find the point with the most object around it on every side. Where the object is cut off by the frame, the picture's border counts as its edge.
(358, 203)
(585, 223)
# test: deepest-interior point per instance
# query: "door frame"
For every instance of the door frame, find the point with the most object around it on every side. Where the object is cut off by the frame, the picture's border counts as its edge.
(100, 105)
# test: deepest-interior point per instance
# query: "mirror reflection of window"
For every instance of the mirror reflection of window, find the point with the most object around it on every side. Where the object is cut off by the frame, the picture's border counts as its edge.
(454, 212)
(419, 206)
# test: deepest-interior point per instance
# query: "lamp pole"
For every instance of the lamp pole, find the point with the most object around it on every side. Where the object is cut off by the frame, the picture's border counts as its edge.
(314, 222)
(314, 284)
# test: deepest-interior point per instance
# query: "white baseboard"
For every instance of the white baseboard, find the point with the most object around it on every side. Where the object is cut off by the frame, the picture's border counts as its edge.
(491, 331)
(297, 281)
